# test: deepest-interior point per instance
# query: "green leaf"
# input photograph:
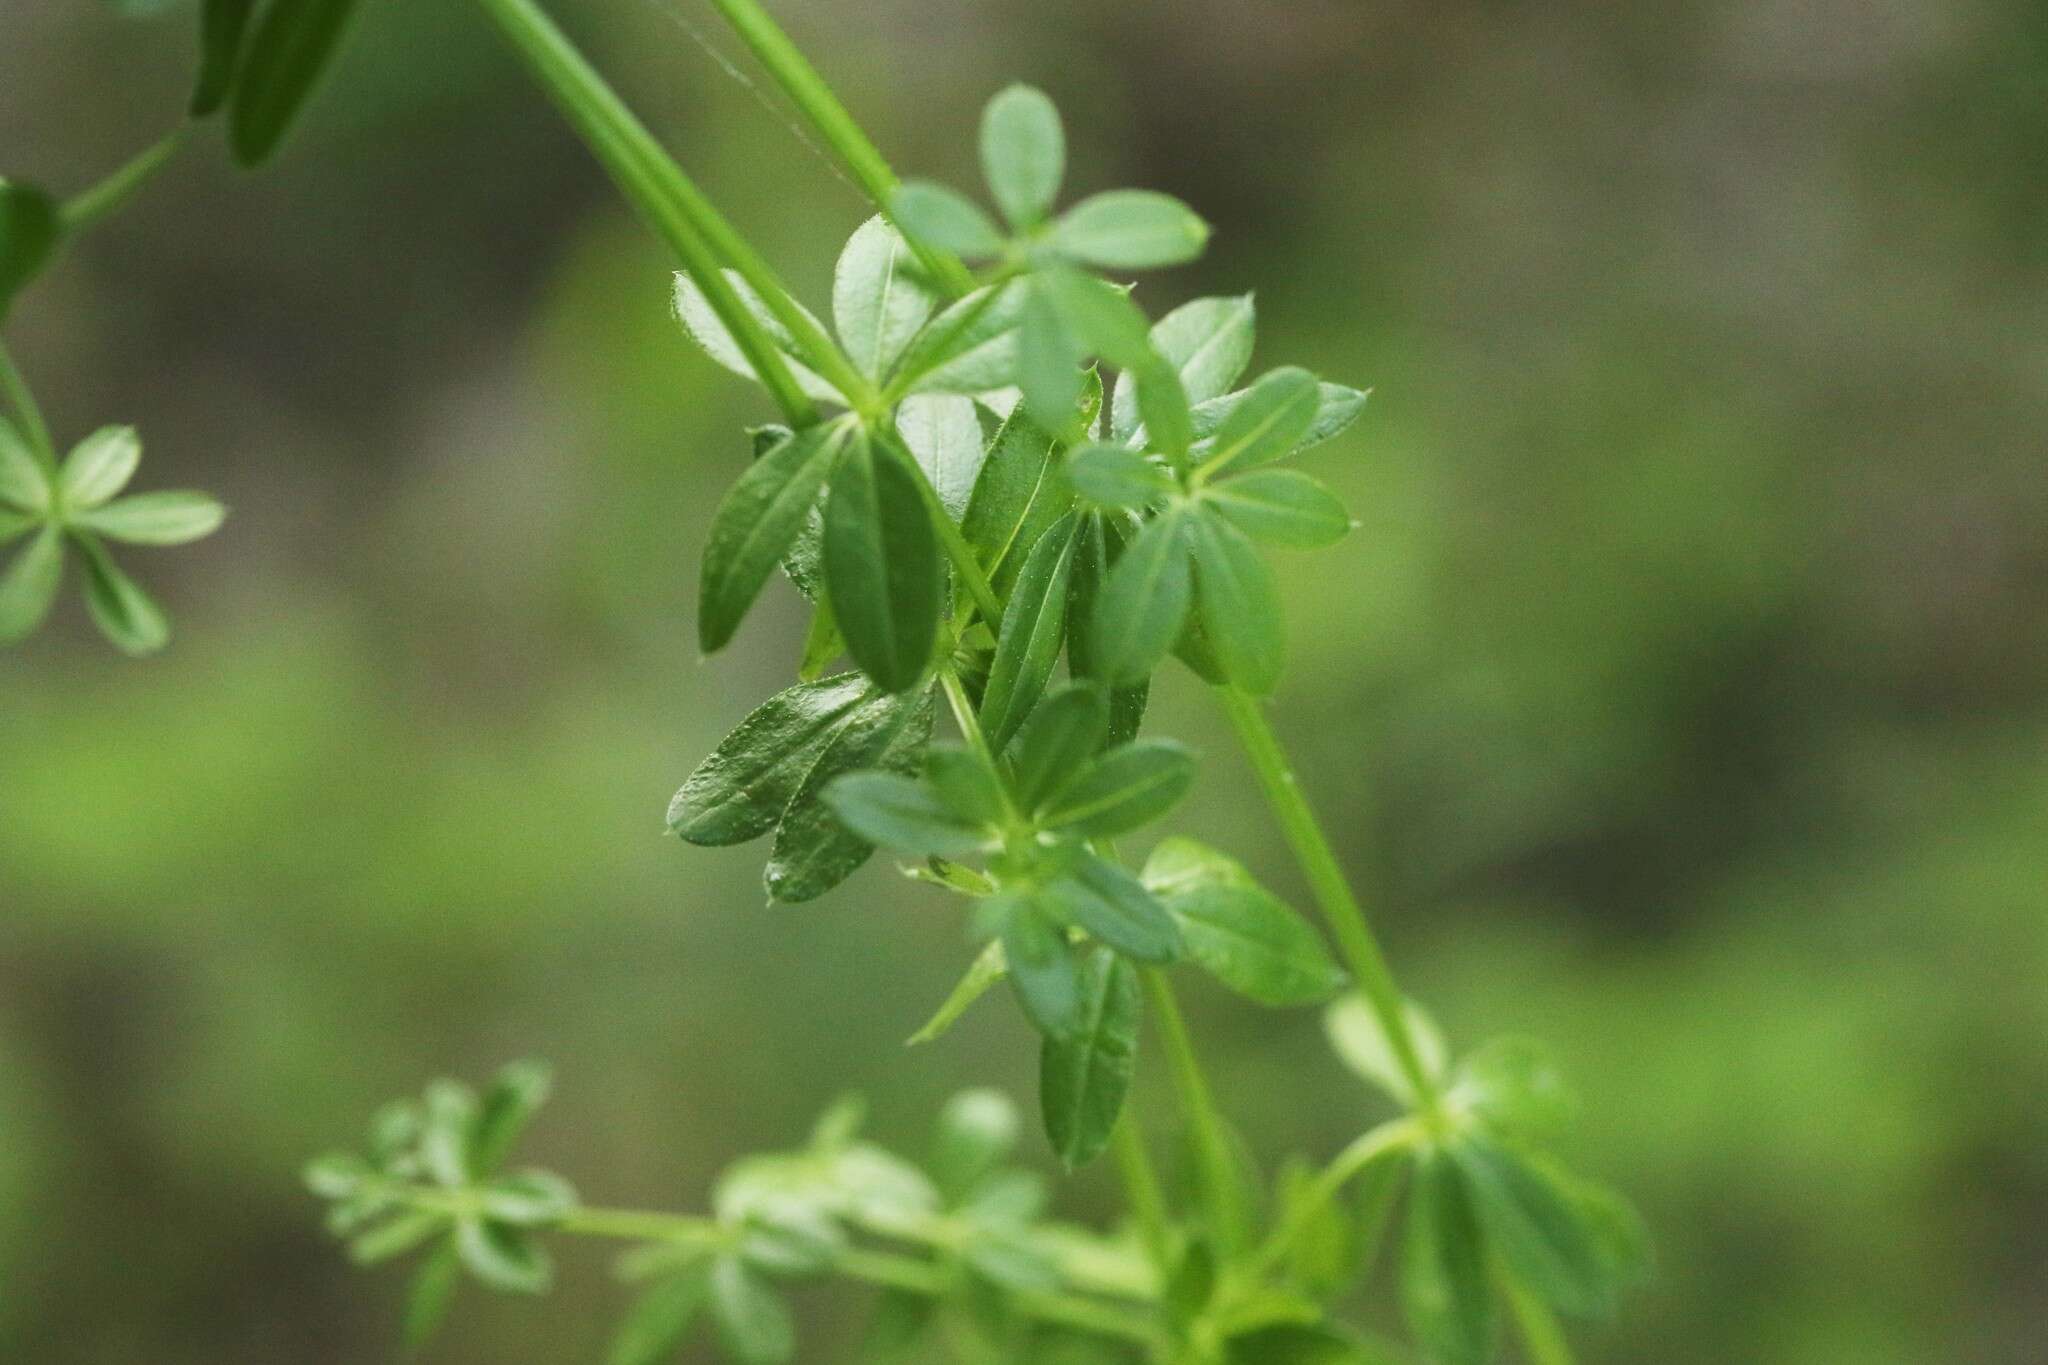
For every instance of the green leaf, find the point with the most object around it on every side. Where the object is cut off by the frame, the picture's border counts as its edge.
(29, 586)
(1129, 786)
(336, 1175)
(99, 467)
(878, 303)
(883, 572)
(1056, 743)
(1444, 1291)
(1130, 230)
(989, 966)
(693, 309)
(1292, 1343)
(427, 1300)
(14, 525)
(1116, 476)
(23, 484)
(503, 1257)
(1362, 1045)
(1144, 601)
(1028, 646)
(1208, 342)
(222, 26)
(122, 610)
(1515, 1085)
(1272, 420)
(168, 518)
(965, 784)
(1049, 360)
(1241, 612)
(976, 1130)
(1023, 153)
(742, 789)
(1337, 407)
(906, 814)
(287, 55)
(1100, 315)
(655, 1327)
(1083, 1078)
(757, 521)
(395, 1236)
(1240, 933)
(970, 347)
(1114, 906)
(448, 1121)
(1281, 507)
(529, 1199)
(519, 1089)
(813, 852)
(1535, 1225)
(30, 227)
(1092, 554)
(1042, 970)
(941, 218)
(943, 432)
(752, 1320)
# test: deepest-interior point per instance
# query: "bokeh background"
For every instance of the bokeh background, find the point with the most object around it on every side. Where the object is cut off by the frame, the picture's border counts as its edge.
(1680, 698)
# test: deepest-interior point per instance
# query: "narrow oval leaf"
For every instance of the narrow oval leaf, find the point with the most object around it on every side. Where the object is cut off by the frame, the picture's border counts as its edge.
(1100, 315)
(1445, 1294)
(23, 484)
(883, 571)
(1131, 230)
(756, 523)
(1281, 507)
(427, 1299)
(943, 432)
(503, 1257)
(693, 309)
(655, 1327)
(1241, 613)
(970, 347)
(1144, 601)
(1354, 1031)
(1337, 407)
(878, 303)
(741, 790)
(814, 852)
(1028, 646)
(168, 518)
(1516, 1087)
(518, 1090)
(1535, 1225)
(1049, 360)
(1125, 788)
(1021, 485)
(753, 1322)
(1271, 421)
(123, 611)
(1083, 1079)
(30, 226)
(1055, 744)
(1117, 476)
(941, 218)
(1250, 941)
(904, 813)
(1208, 342)
(1042, 971)
(1114, 906)
(1099, 534)
(965, 784)
(288, 53)
(222, 25)
(1023, 153)
(99, 467)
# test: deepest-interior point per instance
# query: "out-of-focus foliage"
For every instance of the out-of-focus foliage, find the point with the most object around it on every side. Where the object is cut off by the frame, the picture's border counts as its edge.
(1681, 694)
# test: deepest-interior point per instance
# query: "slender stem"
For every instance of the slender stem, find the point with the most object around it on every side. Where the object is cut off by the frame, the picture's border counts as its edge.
(639, 1225)
(1141, 1184)
(1377, 1145)
(1543, 1340)
(84, 209)
(23, 400)
(815, 100)
(963, 713)
(1326, 879)
(651, 181)
(1205, 1120)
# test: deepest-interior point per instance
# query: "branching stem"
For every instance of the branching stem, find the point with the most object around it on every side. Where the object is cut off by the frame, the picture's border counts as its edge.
(22, 399)
(89, 206)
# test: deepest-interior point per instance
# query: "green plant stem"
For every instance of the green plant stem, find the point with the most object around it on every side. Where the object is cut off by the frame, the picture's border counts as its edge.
(963, 713)
(89, 206)
(815, 100)
(1141, 1183)
(1205, 1120)
(22, 399)
(1543, 1340)
(1378, 1145)
(654, 185)
(1332, 890)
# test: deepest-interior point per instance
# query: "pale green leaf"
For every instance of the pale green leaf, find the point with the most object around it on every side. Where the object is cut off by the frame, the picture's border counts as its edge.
(1130, 230)
(167, 518)
(878, 303)
(99, 467)
(1023, 153)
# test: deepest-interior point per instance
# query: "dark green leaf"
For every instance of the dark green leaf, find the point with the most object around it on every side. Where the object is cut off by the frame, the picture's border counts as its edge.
(1116, 476)
(1144, 602)
(503, 1257)
(1130, 230)
(1281, 507)
(121, 609)
(1241, 613)
(1055, 744)
(508, 1105)
(1129, 786)
(753, 1322)
(1034, 624)
(757, 521)
(1114, 906)
(1042, 970)
(1273, 419)
(1535, 1225)
(29, 585)
(1444, 1290)
(941, 218)
(813, 852)
(426, 1301)
(656, 1325)
(904, 813)
(970, 347)
(1021, 490)
(1023, 153)
(222, 24)
(742, 789)
(1083, 1078)
(1240, 933)
(287, 55)
(878, 303)
(883, 571)
(168, 518)
(29, 230)
(1208, 342)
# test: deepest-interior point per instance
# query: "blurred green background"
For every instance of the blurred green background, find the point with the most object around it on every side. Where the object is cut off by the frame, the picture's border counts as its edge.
(1680, 698)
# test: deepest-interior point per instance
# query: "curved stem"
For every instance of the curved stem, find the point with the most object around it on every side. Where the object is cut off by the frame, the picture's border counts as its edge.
(1205, 1120)
(1326, 879)
(84, 209)
(1378, 1145)
(23, 400)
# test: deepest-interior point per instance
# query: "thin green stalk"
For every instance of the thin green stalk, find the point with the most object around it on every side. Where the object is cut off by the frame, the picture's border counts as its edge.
(651, 182)
(963, 713)
(1141, 1183)
(1326, 879)
(22, 399)
(84, 209)
(1377, 1145)
(815, 100)
(1205, 1120)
